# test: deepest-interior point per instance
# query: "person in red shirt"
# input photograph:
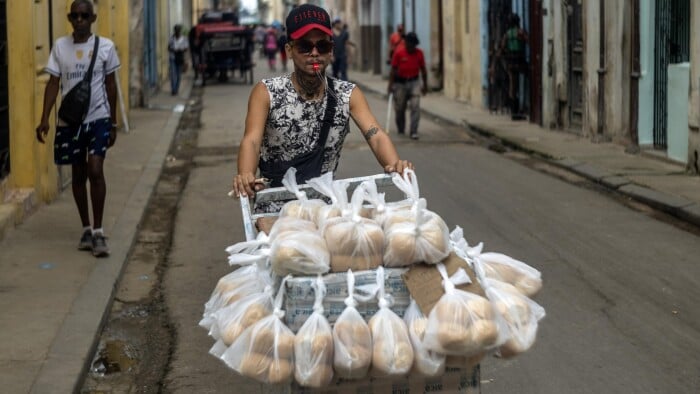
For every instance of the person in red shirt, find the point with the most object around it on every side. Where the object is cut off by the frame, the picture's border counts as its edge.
(395, 40)
(406, 65)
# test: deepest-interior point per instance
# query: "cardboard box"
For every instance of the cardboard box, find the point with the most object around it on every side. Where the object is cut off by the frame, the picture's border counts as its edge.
(453, 381)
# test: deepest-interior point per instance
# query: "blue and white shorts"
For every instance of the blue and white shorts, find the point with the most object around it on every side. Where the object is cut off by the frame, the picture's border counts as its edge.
(73, 144)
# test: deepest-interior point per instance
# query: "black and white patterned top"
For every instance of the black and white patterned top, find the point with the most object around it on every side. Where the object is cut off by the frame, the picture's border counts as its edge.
(294, 124)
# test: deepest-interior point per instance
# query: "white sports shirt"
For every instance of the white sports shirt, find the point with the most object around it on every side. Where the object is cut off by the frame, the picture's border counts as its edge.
(70, 62)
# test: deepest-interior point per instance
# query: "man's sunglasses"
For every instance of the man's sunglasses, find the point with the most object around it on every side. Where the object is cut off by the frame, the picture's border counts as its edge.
(83, 15)
(322, 46)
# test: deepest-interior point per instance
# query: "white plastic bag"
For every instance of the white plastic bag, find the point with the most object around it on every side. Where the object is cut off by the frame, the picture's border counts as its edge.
(523, 277)
(392, 352)
(520, 314)
(336, 191)
(426, 362)
(462, 323)
(313, 345)
(290, 224)
(302, 207)
(354, 242)
(231, 321)
(423, 237)
(303, 252)
(265, 350)
(352, 353)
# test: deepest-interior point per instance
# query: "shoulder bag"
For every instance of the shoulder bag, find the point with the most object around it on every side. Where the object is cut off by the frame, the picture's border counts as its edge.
(76, 103)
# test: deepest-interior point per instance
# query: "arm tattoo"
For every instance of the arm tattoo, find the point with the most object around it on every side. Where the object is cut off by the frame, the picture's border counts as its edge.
(371, 132)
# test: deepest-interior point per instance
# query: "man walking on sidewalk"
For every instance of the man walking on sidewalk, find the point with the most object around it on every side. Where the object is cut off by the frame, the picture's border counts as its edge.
(84, 146)
(408, 61)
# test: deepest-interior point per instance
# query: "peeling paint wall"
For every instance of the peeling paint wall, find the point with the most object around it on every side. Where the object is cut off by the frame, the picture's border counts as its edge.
(462, 51)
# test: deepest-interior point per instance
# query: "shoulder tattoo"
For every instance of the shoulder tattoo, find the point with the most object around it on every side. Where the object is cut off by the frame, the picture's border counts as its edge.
(373, 130)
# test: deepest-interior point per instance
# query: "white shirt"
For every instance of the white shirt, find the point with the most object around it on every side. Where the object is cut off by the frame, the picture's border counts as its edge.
(70, 62)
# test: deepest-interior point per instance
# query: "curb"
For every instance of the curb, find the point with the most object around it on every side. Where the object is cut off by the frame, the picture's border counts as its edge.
(70, 355)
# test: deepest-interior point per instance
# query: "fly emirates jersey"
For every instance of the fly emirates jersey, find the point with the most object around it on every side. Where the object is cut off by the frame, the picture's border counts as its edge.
(70, 62)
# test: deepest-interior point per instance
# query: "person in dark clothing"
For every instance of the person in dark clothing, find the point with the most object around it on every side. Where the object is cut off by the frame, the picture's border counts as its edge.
(341, 40)
(194, 50)
(281, 42)
(512, 51)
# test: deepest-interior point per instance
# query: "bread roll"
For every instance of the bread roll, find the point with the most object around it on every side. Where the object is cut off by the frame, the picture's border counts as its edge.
(254, 313)
(280, 371)
(231, 332)
(302, 209)
(392, 357)
(476, 307)
(318, 348)
(286, 225)
(263, 342)
(342, 263)
(300, 253)
(418, 327)
(526, 284)
(352, 348)
(485, 333)
(255, 366)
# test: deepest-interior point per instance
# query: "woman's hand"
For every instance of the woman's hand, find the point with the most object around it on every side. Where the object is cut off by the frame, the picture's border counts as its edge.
(246, 185)
(399, 166)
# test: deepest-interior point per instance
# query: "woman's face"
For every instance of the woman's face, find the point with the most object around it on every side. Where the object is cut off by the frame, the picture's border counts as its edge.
(314, 47)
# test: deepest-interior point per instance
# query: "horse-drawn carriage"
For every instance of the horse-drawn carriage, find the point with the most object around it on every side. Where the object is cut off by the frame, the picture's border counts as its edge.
(224, 48)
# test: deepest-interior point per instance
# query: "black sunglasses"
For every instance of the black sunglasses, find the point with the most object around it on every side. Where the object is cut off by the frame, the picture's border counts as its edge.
(322, 46)
(83, 15)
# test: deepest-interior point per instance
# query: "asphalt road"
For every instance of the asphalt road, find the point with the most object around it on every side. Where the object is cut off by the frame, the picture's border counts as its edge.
(620, 286)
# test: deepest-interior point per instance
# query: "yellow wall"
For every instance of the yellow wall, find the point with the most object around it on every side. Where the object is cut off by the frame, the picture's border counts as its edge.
(28, 51)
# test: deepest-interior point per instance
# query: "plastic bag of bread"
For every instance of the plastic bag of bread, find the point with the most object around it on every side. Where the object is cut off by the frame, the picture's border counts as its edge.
(392, 352)
(523, 277)
(520, 314)
(302, 207)
(425, 362)
(229, 322)
(354, 242)
(408, 184)
(313, 345)
(422, 238)
(289, 224)
(352, 340)
(231, 287)
(265, 350)
(462, 323)
(335, 191)
(302, 252)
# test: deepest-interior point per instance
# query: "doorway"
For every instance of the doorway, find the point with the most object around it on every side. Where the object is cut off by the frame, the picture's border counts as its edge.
(671, 45)
(575, 46)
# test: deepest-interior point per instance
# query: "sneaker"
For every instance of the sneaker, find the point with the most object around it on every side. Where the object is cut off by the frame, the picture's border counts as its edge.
(85, 241)
(99, 246)
(414, 136)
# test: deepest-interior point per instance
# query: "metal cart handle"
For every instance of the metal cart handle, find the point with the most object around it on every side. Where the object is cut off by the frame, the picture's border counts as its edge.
(281, 194)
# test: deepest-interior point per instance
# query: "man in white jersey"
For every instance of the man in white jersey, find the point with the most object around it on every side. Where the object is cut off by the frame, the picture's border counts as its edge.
(84, 146)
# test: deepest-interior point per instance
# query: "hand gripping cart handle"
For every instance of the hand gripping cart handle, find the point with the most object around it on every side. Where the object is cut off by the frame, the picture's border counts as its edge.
(282, 194)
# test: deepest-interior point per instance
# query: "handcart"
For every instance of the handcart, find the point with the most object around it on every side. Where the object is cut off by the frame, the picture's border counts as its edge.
(455, 380)
(223, 48)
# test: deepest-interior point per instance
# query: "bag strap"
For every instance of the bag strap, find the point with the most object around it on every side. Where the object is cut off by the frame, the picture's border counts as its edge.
(88, 76)
(329, 114)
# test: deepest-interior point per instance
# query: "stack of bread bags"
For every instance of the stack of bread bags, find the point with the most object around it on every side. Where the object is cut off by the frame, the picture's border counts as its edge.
(252, 276)
(508, 284)
(265, 350)
(462, 323)
(313, 345)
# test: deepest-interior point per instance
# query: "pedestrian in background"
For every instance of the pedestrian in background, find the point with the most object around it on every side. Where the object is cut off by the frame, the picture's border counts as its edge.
(193, 40)
(84, 146)
(259, 34)
(286, 121)
(395, 40)
(512, 51)
(177, 47)
(407, 65)
(341, 41)
(271, 48)
(281, 42)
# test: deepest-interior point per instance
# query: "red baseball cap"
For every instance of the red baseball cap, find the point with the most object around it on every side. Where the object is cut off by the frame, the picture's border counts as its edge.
(305, 18)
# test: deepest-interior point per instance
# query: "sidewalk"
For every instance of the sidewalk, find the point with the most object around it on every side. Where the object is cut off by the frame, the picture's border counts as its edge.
(653, 181)
(54, 298)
